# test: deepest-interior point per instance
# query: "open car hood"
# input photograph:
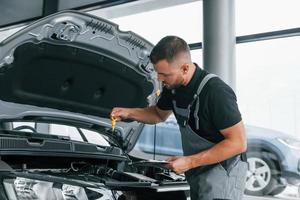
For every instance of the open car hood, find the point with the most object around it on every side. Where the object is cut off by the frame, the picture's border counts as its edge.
(72, 62)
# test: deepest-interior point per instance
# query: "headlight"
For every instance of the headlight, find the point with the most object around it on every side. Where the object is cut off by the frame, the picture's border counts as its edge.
(290, 142)
(24, 188)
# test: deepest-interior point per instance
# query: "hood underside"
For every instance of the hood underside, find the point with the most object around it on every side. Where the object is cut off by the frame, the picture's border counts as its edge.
(73, 79)
(76, 62)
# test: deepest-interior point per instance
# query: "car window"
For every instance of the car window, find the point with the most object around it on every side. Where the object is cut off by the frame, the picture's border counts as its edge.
(18, 124)
(157, 138)
(64, 130)
(94, 137)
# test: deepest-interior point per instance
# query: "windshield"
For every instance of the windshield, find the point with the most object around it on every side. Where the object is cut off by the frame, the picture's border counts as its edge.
(66, 131)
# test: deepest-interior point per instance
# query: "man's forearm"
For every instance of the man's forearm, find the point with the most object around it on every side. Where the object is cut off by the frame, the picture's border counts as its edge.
(218, 153)
(145, 115)
(149, 115)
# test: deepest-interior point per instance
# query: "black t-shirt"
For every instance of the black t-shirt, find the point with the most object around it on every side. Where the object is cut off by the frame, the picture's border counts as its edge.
(218, 107)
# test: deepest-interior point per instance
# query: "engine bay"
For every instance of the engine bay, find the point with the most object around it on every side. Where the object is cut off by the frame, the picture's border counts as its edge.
(83, 180)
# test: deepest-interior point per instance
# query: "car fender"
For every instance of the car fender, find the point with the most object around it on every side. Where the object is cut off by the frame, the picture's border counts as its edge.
(276, 153)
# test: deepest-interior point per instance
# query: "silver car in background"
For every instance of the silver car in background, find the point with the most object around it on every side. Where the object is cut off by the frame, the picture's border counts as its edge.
(273, 157)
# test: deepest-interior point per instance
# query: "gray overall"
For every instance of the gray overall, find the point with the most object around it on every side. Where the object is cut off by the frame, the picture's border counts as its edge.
(212, 181)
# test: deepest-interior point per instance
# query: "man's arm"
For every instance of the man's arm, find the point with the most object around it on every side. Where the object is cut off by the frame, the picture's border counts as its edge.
(149, 115)
(234, 143)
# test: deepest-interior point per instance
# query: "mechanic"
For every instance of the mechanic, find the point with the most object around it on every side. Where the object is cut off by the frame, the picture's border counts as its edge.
(212, 130)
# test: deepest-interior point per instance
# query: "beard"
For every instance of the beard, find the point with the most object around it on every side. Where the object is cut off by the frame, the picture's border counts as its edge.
(171, 87)
(178, 83)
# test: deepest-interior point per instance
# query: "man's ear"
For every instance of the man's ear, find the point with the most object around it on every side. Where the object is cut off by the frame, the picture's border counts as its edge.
(185, 68)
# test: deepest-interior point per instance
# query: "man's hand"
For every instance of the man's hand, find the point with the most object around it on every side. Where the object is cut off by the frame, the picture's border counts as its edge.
(148, 115)
(120, 113)
(179, 164)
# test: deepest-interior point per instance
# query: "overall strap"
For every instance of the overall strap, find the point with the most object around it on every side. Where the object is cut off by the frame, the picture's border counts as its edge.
(196, 97)
(182, 114)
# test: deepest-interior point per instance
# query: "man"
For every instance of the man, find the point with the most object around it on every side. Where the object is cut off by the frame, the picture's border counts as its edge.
(212, 131)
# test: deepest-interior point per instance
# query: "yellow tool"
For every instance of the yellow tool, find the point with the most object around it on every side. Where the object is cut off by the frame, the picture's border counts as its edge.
(157, 93)
(113, 123)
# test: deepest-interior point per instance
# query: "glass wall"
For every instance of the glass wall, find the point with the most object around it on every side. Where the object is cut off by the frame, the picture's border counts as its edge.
(257, 16)
(268, 77)
(183, 20)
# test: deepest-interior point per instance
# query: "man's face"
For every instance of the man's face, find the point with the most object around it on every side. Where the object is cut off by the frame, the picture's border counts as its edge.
(170, 75)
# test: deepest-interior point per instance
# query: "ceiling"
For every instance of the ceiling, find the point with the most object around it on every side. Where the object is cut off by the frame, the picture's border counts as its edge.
(21, 12)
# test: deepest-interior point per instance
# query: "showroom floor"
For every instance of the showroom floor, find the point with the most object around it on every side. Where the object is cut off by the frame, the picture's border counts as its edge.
(269, 198)
(290, 193)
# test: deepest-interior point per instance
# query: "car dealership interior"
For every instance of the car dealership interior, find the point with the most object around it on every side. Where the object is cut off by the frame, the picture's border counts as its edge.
(84, 86)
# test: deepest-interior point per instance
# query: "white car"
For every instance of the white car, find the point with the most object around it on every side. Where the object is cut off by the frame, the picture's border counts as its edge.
(59, 79)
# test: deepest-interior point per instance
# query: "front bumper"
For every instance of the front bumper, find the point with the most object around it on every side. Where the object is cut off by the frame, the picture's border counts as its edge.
(291, 168)
(291, 177)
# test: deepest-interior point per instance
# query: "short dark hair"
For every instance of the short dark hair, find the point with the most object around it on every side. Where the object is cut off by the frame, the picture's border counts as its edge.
(168, 48)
